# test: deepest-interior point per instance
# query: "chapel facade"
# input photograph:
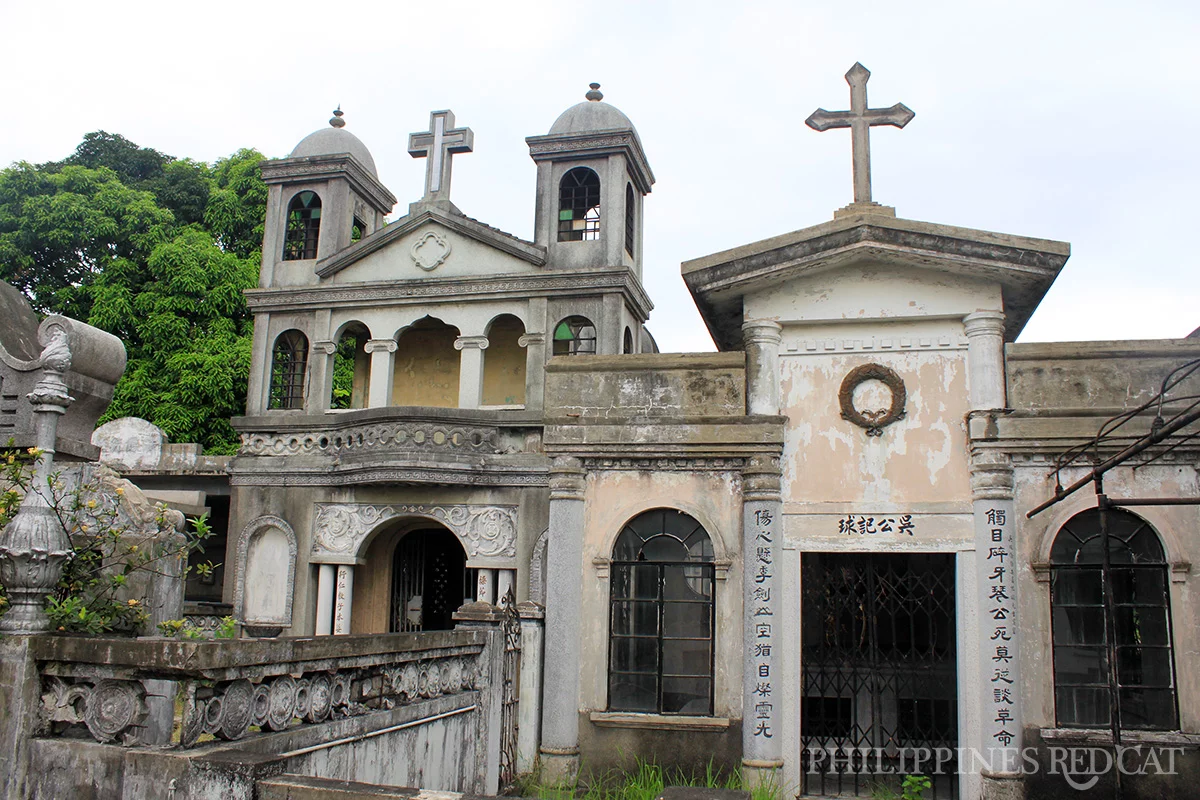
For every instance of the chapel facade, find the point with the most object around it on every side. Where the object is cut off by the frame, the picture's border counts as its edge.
(808, 545)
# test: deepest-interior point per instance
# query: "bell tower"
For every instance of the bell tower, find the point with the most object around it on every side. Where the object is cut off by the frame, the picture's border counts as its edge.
(322, 198)
(592, 180)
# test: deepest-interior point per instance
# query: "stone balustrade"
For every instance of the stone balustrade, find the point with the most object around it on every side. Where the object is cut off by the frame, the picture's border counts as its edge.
(102, 686)
(376, 437)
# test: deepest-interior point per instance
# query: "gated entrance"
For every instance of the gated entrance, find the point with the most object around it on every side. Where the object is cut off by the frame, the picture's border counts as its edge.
(878, 671)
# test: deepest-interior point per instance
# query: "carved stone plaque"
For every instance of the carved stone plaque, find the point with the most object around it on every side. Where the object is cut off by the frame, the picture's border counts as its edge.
(484, 531)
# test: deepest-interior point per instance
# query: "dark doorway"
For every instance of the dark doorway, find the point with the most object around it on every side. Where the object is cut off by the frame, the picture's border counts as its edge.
(878, 671)
(430, 580)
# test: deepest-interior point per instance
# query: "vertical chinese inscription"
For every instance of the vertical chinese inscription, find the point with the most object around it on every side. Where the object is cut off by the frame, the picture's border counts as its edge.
(996, 557)
(341, 600)
(761, 609)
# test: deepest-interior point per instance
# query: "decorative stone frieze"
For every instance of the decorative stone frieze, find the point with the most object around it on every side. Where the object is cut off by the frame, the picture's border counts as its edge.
(664, 464)
(379, 437)
(874, 343)
(484, 531)
(358, 477)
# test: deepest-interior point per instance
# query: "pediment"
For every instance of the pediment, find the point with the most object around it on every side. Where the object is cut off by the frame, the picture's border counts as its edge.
(1022, 267)
(432, 242)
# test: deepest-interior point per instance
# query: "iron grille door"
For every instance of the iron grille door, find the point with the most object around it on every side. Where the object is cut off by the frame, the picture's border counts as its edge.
(878, 671)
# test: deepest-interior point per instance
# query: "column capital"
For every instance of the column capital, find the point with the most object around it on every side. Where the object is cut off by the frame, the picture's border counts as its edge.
(475, 342)
(982, 323)
(761, 331)
(380, 346)
(567, 478)
(761, 478)
(991, 475)
(526, 339)
(328, 348)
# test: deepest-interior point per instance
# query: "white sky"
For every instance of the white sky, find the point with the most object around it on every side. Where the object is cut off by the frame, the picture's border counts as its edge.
(1070, 121)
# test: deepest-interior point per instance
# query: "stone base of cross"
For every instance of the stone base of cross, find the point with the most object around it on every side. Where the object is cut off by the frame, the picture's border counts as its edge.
(857, 209)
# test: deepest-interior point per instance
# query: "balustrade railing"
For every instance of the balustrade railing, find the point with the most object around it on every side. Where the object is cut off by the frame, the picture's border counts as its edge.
(230, 688)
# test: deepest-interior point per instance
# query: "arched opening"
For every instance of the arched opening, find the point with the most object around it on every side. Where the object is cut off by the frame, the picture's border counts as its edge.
(662, 616)
(1129, 626)
(414, 577)
(579, 206)
(427, 365)
(627, 345)
(351, 368)
(504, 363)
(289, 362)
(630, 218)
(574, 336)
(303, 227)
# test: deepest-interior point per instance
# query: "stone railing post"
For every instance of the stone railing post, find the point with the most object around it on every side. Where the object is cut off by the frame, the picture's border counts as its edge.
(762, 545)
(564, 599)
(761, 338)
(530, 716)
(379, 391)
(999, 683)
(488, 618)
(470, 369)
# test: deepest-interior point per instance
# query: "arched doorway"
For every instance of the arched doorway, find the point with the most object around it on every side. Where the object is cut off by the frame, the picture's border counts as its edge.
(430, 580)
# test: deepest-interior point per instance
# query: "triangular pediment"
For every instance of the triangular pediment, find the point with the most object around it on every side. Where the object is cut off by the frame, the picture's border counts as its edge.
(1023, 267)
(432, 241)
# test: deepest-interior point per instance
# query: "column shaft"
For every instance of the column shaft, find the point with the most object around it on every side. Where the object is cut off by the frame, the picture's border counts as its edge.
(379, 392)
(985, 359)
(470, 369)
(761, 339)
(344, 599)
(485, 586)
(326, 582)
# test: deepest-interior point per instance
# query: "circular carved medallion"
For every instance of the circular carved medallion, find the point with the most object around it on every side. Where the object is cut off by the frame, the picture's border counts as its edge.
(320, 697)
(111, 708)
(281, 704)
(874, 420)
(236, 710)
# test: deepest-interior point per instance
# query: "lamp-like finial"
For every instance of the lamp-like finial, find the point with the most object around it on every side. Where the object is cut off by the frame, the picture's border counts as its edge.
(337, 120)
(594, 95)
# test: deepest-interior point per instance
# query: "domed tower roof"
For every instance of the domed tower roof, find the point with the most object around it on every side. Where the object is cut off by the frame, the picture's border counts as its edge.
(335, 140)
(591, 115)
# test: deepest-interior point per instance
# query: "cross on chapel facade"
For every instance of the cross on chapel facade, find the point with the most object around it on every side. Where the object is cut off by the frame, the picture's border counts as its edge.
(439, 144)
(860, 119)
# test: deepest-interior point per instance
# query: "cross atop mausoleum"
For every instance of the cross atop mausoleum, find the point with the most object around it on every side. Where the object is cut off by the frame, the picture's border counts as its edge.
(860, 119)
(439, 144)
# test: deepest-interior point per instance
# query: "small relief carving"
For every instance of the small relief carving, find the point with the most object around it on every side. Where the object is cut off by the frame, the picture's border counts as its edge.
(874, 420)
(484, 531)
(115, 709)
(430, 251)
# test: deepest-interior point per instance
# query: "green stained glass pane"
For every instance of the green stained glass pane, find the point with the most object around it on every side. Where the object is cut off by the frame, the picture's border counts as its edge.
(563, 332)
(566, 214)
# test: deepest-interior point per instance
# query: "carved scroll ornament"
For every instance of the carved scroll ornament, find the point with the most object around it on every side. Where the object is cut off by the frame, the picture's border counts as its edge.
(484, 531)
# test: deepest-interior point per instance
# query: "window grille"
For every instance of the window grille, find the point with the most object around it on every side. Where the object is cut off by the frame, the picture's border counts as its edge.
(289, 360)
(579, 206)
(661, 616)
(303, 227)
(630, 217)
(574, 336)
(1129, 627)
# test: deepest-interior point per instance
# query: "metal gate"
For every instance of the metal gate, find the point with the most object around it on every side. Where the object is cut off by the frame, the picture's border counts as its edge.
(511, 689)
(878, 672)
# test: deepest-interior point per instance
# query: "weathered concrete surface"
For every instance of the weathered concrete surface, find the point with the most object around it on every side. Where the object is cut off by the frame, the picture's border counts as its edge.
(671, 746)
(20, 697)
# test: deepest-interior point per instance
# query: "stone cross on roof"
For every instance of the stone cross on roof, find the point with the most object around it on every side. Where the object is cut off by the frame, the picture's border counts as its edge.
(439, 144)
(860, 119)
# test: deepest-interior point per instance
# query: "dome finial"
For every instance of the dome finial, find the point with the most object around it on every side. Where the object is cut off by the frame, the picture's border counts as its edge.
(337, 120)
(594, 95)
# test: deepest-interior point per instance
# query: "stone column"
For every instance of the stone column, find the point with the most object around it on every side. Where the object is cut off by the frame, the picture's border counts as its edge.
(470, 369)
(485, 586)
(343, 599)
(535, 369)
(379, 392)
(996, 615)
(761, 338)
(529, 715)
(564, 592)
(320, 377)
(505, 582)
(326, 587)
(985, 359)
(762, 545)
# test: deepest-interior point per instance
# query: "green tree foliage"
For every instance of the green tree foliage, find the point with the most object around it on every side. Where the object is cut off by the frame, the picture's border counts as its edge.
(157, 251)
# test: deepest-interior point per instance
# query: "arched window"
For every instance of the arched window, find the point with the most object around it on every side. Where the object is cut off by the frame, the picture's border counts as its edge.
(303, 227)
(427, 367)
(627, 346)
(358, 229)
(351, 368)
(661, 616)
(289, 360)
(574, 336)
(630, 217)
(1131, 629)
(579, 206)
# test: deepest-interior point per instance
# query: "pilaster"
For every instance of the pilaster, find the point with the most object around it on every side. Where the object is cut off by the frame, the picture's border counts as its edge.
(564, 574)
(761, 339)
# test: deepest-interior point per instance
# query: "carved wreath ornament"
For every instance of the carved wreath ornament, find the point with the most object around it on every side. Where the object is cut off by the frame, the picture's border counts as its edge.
(874, 420)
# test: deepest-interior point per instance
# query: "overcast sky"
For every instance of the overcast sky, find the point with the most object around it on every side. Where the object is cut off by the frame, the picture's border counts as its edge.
(1070, 121)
